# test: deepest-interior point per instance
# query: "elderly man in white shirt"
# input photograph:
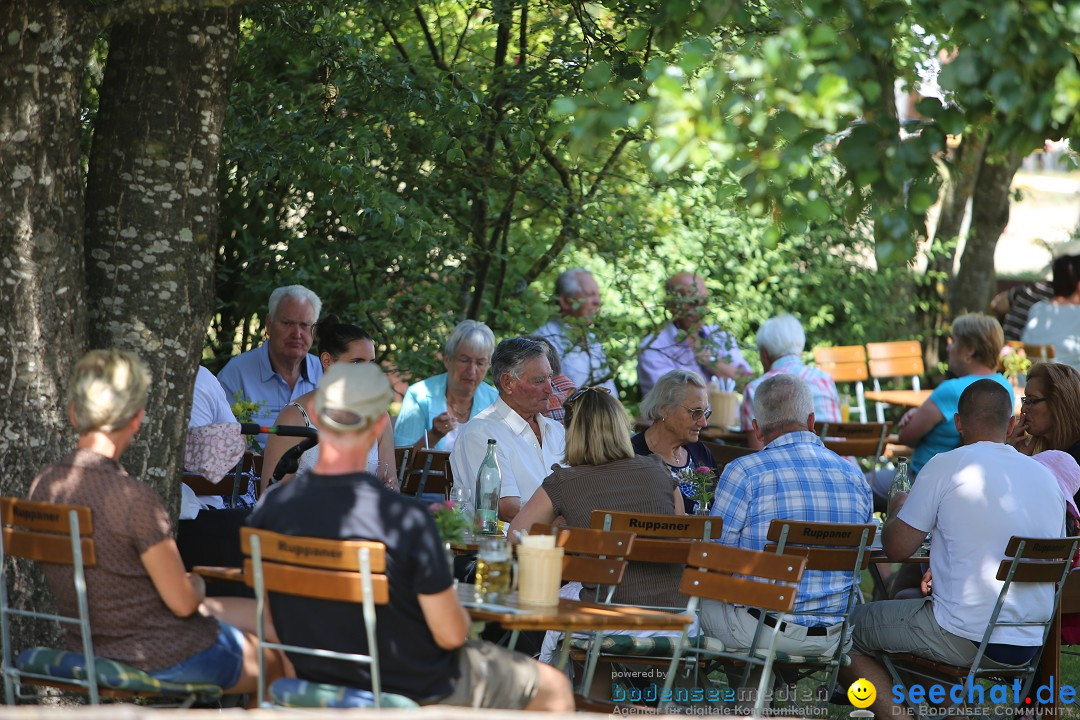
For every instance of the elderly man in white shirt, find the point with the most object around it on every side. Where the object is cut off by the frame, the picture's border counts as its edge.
(582, 357)
(527, 443)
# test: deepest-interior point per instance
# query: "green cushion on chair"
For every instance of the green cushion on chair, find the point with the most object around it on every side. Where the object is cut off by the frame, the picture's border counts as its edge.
(64, 665)
(298, 693)
(664, 646)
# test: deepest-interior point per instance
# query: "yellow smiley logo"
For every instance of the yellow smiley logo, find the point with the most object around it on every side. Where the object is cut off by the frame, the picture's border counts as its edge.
(862, 693)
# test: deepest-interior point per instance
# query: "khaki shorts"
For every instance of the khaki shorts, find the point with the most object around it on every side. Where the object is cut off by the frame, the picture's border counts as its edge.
(492, 677)
(909, 626)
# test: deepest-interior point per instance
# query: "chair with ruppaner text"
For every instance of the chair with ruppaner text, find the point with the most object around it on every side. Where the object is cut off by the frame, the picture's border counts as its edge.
(1026, 560)
(341, 570)
(63, 535)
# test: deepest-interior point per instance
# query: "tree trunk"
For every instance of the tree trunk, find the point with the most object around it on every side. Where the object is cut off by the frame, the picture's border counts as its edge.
(152, 214)
(975, 280)
(43, 51)
(934, 291)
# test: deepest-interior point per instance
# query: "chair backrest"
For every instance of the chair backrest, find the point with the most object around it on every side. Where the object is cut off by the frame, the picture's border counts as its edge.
(855, 439)
(342, 570)
(1039, 353)
(748, 577)
(902, 358)
(659, 538)
(845, 363)
(428, 473)
(826, 546)
(723, 454)
(59, 534)
(402, 457)
(591, 557)
(1029, 560)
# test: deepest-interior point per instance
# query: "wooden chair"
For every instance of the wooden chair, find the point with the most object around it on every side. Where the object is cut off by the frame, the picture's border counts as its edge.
(659, 538)
(827, 547)
(428, 473)
(597, 560)
(846, 364)
(342, 570)
(723, 454)
(867, 440)
(63, 535)
(1027, 560)
(402, 456)
(902, 358)
(761, 580)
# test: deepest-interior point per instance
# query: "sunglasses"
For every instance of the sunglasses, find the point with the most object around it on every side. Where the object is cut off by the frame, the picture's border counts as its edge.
(581, 391)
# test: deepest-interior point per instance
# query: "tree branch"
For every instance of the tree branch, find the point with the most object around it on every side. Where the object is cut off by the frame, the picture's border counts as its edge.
(609, 163)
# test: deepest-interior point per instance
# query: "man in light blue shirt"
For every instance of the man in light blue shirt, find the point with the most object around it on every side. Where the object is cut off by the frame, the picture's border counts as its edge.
(794, 477)
(281, 368)
(582, 357)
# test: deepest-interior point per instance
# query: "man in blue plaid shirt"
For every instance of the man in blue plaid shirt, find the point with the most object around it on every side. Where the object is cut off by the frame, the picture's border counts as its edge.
(794, 477)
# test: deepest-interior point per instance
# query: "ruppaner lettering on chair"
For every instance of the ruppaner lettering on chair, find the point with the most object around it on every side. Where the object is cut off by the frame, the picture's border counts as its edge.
(35, 514)
(304, 551)
(651, 525)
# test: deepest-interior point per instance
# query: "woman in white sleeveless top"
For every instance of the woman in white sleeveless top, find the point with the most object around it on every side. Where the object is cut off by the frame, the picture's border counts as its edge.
(337, 342)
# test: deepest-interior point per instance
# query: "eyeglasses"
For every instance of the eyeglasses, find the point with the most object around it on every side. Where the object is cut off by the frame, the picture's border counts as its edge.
(1029, 400)
(291, 325)
(697, 413)
(581, 391)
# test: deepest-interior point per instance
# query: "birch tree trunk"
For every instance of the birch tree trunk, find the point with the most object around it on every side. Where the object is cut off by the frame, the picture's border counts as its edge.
(152, 212)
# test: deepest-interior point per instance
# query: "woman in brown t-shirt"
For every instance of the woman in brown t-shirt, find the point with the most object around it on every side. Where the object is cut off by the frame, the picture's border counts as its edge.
(605, 473)
(145, 610)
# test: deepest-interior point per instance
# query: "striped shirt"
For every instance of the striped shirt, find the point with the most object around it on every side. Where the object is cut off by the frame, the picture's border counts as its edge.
(822, 388)
(794, 477)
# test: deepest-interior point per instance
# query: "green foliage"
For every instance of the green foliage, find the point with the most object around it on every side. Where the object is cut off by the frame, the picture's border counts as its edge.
(418, 165)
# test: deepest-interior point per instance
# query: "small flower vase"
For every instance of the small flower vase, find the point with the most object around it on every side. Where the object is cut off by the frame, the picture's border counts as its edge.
(702, 508)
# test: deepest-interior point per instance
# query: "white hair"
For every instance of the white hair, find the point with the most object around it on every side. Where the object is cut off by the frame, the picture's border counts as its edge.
(782, 400)
(568, 283)
(299, 293)
(669, 391)
(473, 335)
(780, 336)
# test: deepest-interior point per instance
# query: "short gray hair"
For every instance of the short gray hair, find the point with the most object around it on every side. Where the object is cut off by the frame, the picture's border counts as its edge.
(782, 400)
(511, 355)
(552, 353)
(780, 336)
(567, 283)
(669, 392)
(299, 293)
(471, 334)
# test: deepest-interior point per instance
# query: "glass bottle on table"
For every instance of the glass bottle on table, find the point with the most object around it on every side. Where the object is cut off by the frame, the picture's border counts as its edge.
(901, 481)
(488, 486)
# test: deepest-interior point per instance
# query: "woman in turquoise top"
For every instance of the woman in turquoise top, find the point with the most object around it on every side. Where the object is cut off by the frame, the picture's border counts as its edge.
(976, 343)
(433, 409)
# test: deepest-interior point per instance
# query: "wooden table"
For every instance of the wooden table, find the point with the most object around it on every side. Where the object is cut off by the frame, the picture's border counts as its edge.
(915, 398)
(568, 615)
(907, 398)
(731, 437)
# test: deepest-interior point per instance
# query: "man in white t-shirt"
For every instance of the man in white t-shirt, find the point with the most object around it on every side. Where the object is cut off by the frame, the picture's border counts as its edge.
(973, 499)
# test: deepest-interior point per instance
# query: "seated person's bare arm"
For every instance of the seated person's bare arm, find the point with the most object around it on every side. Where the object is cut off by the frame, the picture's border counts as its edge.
(509, 507)
(181, 591)
(917, 422)
(898, 538)
(276, 445)
(445, 618)
(538, 510)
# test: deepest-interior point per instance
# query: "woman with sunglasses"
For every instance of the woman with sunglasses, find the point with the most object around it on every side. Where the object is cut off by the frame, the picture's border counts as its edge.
(678, 406)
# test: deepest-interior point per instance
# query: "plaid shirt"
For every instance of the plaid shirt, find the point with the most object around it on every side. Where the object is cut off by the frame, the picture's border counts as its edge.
(822, 388)
(794, 478)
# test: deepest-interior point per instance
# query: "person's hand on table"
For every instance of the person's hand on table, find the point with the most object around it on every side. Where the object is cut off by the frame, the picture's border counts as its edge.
(927, 584)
